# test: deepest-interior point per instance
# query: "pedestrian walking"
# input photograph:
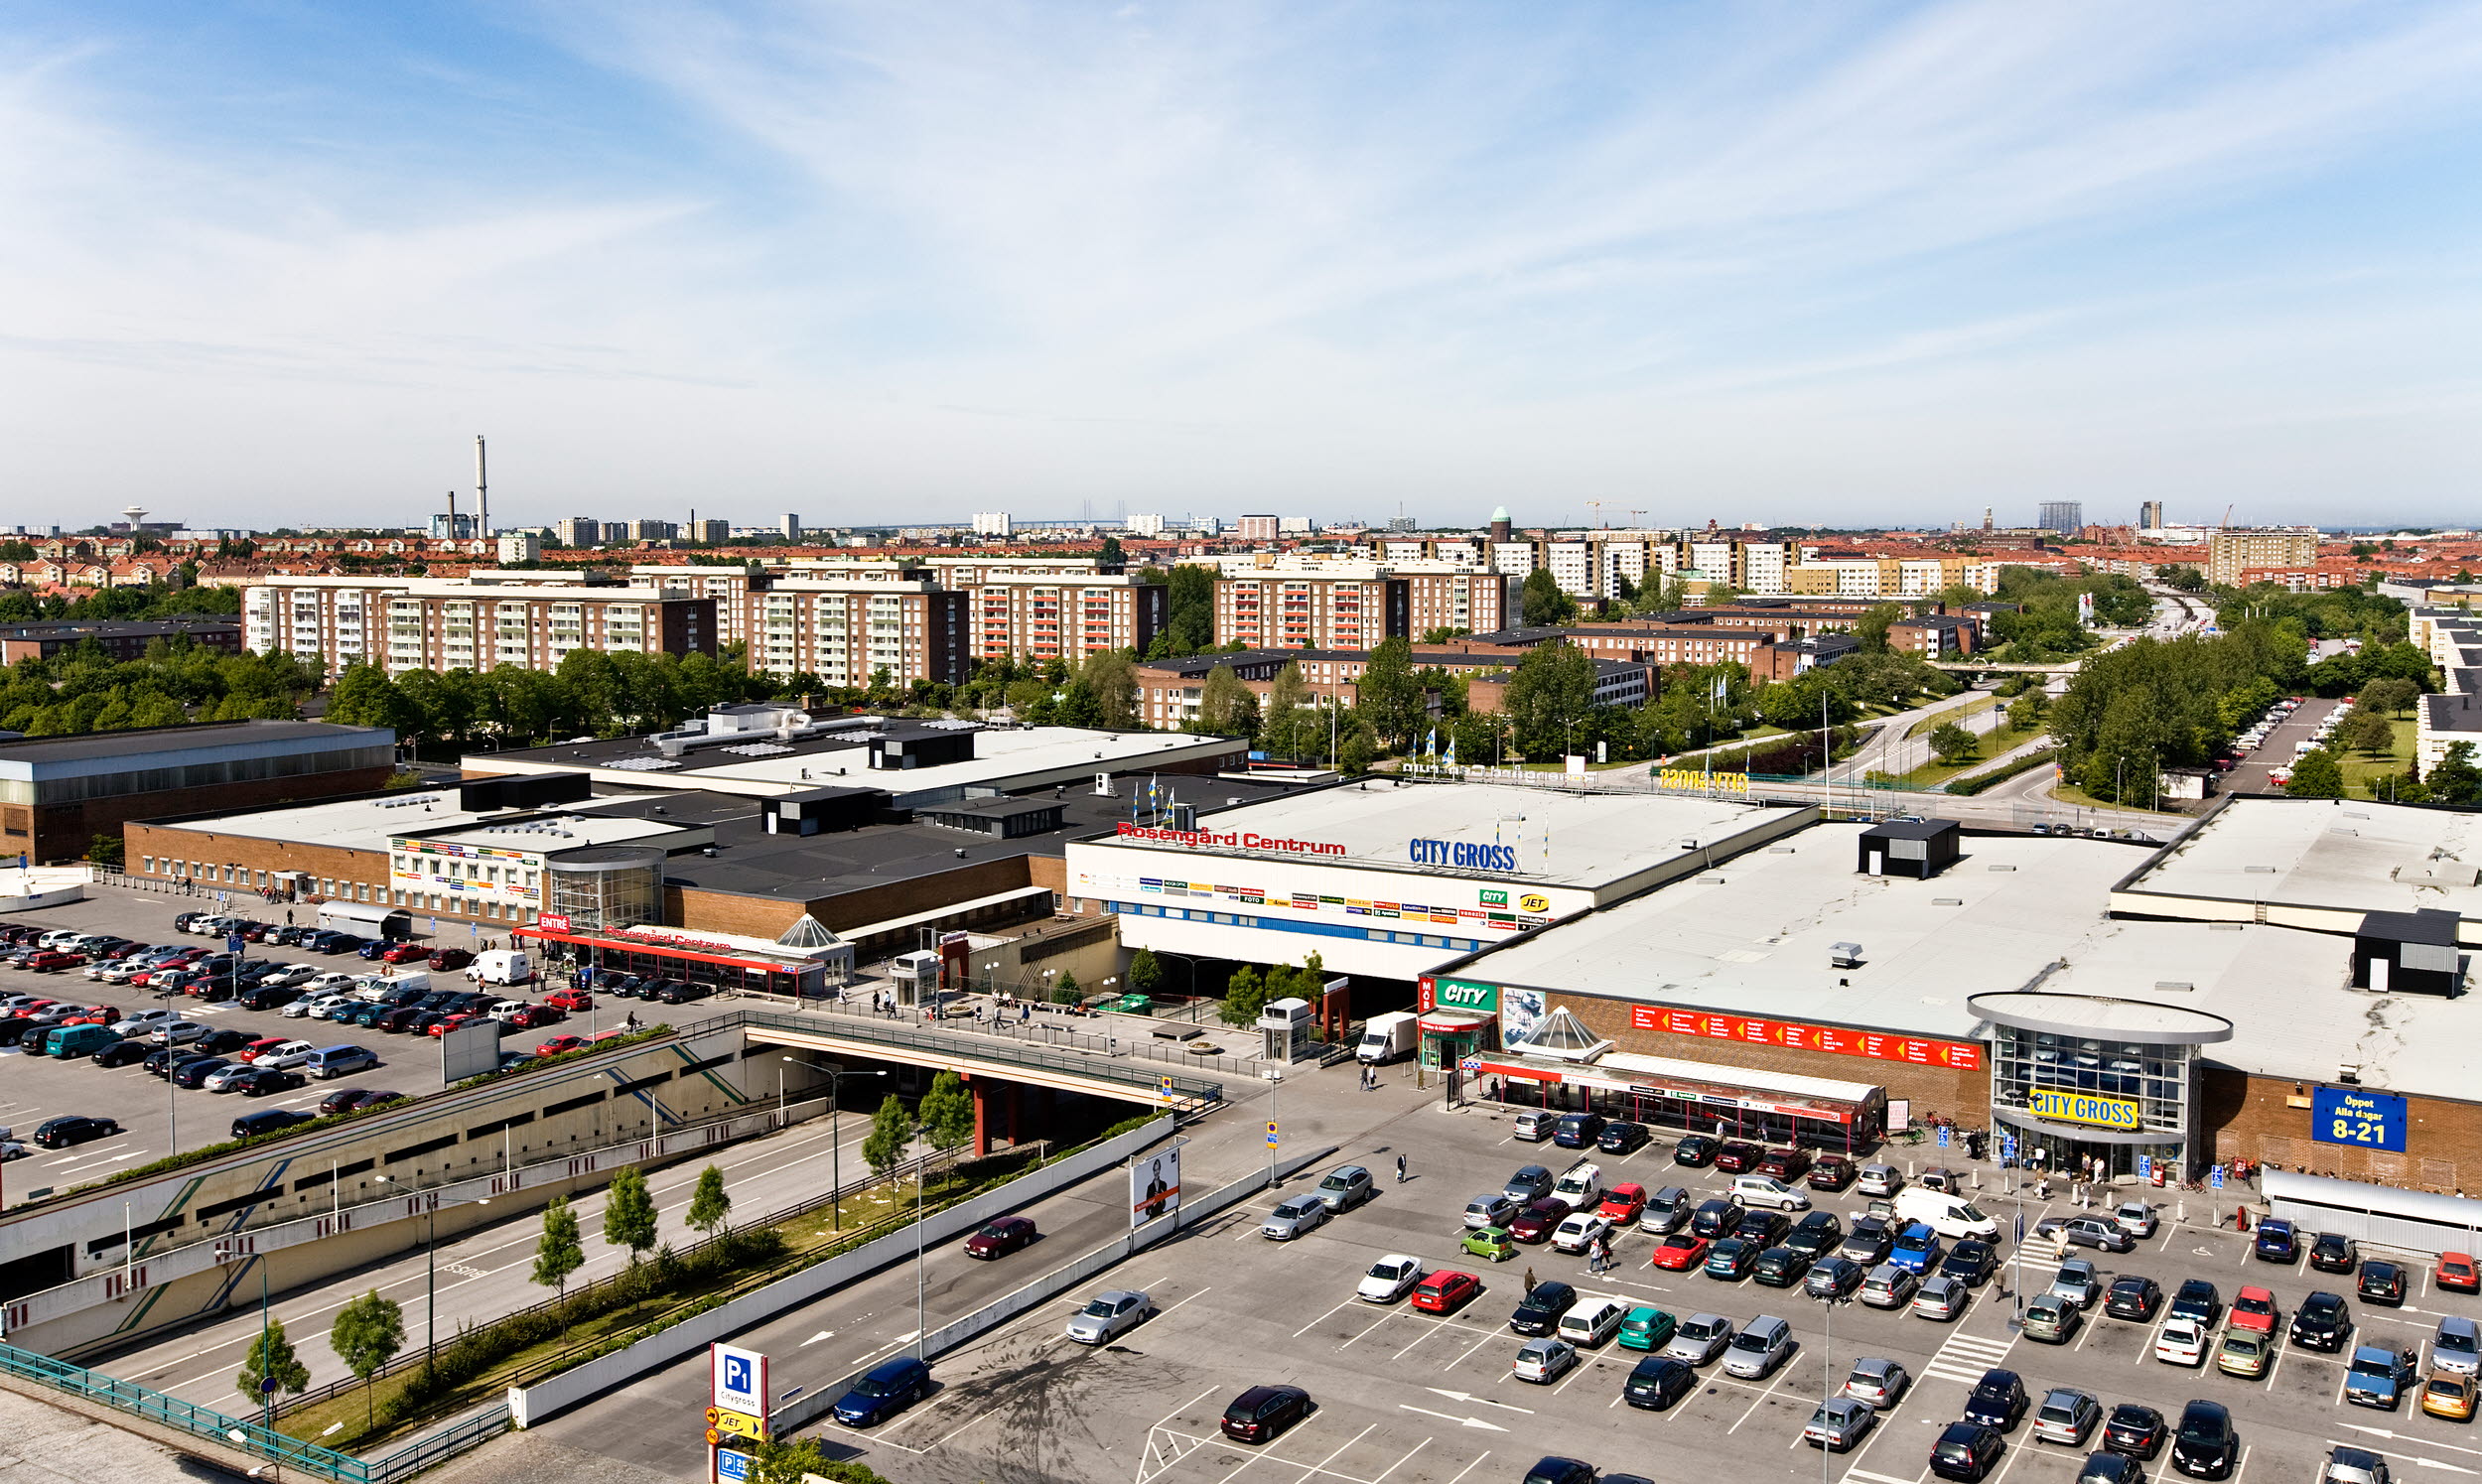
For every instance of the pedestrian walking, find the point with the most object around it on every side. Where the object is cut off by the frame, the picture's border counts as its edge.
(1025, 1012)
(1529, 1279)
(1400, 1170)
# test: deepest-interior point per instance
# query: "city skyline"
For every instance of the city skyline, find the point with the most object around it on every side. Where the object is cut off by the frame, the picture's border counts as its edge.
(1851, 268)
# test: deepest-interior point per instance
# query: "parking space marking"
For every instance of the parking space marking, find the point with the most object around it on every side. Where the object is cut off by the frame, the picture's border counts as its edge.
(1470, 1468)
(1323, 1319)
(1760, 1400)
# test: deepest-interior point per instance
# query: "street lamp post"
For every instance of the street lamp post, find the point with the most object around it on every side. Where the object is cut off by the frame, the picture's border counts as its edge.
(836, 1075)
(921, 1182)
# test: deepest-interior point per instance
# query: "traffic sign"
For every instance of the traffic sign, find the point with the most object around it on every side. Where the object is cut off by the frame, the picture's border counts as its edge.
(2146, 1166)
(730, 1467)
(2217, 1177)
(1164, 1086)
(1942, 1136)
(1472, 1063)
(736, 1423)
(1270, 1130)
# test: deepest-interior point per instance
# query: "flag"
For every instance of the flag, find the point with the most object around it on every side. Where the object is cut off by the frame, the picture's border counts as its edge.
(1433, 748)
(1452, 750)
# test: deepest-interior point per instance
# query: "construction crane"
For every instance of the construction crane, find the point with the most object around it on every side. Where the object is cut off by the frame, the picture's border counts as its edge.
(2227, 520)
(1598, 508)
(1633, 514)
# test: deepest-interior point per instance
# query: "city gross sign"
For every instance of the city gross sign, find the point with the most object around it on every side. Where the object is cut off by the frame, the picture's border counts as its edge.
(1457, 994)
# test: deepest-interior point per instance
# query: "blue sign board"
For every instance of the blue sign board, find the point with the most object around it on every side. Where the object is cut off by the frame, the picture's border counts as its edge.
(732, 1465)
(2146, 1166)
(2215, 1177)
(1942, 1136)
(2347, 1115)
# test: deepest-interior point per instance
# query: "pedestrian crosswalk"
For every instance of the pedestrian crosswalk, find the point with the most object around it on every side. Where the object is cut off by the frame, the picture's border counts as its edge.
(1965, 1356)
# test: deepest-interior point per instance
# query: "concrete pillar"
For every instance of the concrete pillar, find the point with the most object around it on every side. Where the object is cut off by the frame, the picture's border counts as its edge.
(981, 1117)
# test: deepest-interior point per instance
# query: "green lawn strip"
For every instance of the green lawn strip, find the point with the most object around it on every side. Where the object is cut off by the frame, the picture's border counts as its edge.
(1956, 713)
(2361, 769)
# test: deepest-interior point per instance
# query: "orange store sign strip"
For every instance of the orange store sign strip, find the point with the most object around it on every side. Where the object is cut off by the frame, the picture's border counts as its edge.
(1962, 1056)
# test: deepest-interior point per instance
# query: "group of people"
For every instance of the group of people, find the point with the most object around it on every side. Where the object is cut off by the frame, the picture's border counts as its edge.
(1370, 1079)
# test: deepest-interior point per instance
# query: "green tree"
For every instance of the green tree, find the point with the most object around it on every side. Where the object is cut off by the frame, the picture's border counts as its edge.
(2026, 712)
(559, 1251)
(947, 1112)
(1245, 994)
(774, 1461)
(1111, 677)
(629, 1212)
(1872, 627)
(1110, 555)
(1068, 991)
(1226, 707)
(1391, 695)
(1543, 603)
(1189, 618)
(1146, 972)
(368, 1332)
(271, 1358)
(710, 1205)
(2454, 779)
(1549, 699)
(105, 850)
(2394, 694)
(2369, 731)
(2317, 775)
(882, 1148)
(1954, 744)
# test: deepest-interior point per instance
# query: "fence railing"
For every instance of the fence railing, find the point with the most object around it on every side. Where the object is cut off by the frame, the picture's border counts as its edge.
(946, 1038)
(1044, 1028)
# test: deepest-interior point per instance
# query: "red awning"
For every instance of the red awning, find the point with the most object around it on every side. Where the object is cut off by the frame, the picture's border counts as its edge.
(660, 950)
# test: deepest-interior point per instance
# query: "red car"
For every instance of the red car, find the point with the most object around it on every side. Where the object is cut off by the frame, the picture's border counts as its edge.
(1445, 1291)
(1622, 1203)
(404, 953)
(1680, 1251)
(575, 1000)
(2456, 1271)
(531, 1016)
(448, 1023)
(450, 958)
(1001, 1238)
(1536, 1222)
(93, 1015)
(51, 960)
(1739, 1157)
(558, 1044)
(2254, 1309)
(1785, 1164)
(264, 1043)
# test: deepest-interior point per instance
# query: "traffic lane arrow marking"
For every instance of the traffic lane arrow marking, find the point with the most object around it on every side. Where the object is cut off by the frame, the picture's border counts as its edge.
(1469, 1398)
(1447, 1416)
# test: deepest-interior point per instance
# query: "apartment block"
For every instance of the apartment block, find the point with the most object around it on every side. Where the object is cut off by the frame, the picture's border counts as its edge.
(444, 623)
(1063, 616)
(712, 532)
(2229, 553)
(728, 586)
(1338, 607)
(654, 530)
(579, 530)
(846, 631)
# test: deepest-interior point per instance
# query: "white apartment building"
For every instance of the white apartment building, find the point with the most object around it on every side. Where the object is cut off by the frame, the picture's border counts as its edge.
(1144, 525)
(846, 631)
(993, 523)
(447, 623)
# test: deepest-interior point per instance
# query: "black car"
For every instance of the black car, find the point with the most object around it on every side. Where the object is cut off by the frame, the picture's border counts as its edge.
(2334, 1252)
(1714, 1218)
(13, 1028)
(2134, 1430)
(1816, 1234)
(2197, 1299)
(401, 1018)
(158, 1062)
(1540, 1312)
(1739, 1157)
(123, 1053)
(2133, 1298)
(1695, 1150)
(2382, 1283)
(1577, 1130)
(1620, 1137)
(1781, 1267)
(262, 1081)
(1262, 1412)
(1998, 1399)
(2322, 1322)
(194, 1072)
(2111, 1468)
(270, 997)
(181, 920)
(222, 1042)
(342, 943)
(1971, 1263)
(74, 1127)
(267, 1120)
(2205, 1445)
(681, 991)
(1556, 1471)
(1760, 1228)
(1967, 1451)
(1658, 1382)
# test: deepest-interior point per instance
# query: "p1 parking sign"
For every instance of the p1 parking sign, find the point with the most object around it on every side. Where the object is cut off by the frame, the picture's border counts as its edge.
(740, 1379)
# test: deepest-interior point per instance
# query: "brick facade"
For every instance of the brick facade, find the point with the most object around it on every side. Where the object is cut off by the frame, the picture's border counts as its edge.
(63, 832)
(177, 852)
(2251, 1118)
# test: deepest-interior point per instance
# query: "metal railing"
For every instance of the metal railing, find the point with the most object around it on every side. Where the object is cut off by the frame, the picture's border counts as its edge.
(256, 1439)
(1045, 1029)
(963, 1041)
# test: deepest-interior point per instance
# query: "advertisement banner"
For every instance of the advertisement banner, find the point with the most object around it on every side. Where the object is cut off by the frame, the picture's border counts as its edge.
(1154, 1186)
(2082, 1108)
(1457, 994)
(2347, 1115)
(1963, 1057)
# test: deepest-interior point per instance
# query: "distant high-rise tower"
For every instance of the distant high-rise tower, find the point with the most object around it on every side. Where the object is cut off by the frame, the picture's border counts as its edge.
(1985, 517)
(2151, 515)
(791, 529)
(1501, 527)
(2063, 517)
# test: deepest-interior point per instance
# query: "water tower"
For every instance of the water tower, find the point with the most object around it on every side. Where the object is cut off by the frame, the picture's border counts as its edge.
(136, 516)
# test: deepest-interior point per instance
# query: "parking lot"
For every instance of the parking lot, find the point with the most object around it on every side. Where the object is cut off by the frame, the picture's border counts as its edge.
(1405, 1396)
(155, 1118)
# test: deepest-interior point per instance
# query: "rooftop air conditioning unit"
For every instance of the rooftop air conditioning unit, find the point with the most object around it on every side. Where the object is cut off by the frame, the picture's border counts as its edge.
(1845, 955)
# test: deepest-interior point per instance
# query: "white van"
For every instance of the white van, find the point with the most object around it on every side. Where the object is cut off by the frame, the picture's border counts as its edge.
(503, 966)
(1387, 1037)
(1767, 1190)
(1951, 1216)
(1583, 1186)
(1590, 1322)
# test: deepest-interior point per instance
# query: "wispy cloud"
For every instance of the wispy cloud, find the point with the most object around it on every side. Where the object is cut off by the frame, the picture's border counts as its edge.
(856, 257)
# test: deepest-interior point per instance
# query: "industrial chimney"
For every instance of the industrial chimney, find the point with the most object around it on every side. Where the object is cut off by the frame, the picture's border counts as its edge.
(481, 492)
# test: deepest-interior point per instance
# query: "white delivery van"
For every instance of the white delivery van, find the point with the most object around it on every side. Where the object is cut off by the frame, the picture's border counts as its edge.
(375, 986)
(1951, 1216)
(1387, 1037)
(503, 966)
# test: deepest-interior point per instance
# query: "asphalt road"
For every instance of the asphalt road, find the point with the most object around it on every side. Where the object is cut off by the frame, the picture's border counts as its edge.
(2277, 749)
(1410, 1398)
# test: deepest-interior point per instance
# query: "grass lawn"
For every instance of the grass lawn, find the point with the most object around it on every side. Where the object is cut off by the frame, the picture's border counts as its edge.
(2361, 769)
(1958, 714)
(1994, 745)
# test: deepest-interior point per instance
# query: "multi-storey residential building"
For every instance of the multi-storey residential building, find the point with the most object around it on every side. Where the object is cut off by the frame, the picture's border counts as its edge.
(579, 530)
(1337, 605)
(2150, 515)
(447, 623)
(1441, 595)
(845, 630)
(1168, 691)
(1063, 616)
(2229, 552)
(712, 532)
(1144, 525)
(993, 523)
(2062, 516)
(1256, 528)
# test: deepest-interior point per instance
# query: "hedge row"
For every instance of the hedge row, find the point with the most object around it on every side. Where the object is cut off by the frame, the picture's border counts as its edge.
(2004, 773)
(1793, 754)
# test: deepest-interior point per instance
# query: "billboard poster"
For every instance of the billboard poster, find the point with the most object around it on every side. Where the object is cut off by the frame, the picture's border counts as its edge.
(1154, 1186)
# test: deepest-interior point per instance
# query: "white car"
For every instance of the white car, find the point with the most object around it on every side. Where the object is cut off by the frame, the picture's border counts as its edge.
(1582, 1187)
(224, 1078)
(330, 981)
(1388, 1279)
(177, 1033)
(1578, 1231)
(281, 1058)
(289, 976)
(2181, 1343)
(1544, 1361)
(140, 1022)
(315, 1006)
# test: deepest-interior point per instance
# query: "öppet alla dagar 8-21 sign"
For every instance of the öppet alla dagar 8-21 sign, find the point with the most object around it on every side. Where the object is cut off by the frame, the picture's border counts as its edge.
(1962, 1056)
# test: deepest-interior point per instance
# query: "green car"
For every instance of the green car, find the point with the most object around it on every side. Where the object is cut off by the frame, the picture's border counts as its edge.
(1645, 1328)
(1131, 1004)
(1490, 1242)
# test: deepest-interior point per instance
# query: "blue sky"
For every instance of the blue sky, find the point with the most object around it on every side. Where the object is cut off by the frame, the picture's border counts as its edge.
(268, 263)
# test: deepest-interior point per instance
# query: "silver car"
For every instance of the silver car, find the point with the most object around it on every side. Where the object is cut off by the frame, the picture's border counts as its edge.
(1759, 1348)
(1942, 1297)
(1699, 1338)
(1531, 1182)
(1878, 1380)
(2078, 1282)
(1346, 1187)
(1495, 1210)
(2066, 1415)
(1299, 1214)
(1108, 1314)
(2456, 1347)
(1838, 1424)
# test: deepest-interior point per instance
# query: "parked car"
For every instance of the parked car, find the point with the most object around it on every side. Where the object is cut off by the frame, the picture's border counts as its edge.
(1346, 1187)
(2078, 1281)
(2133, 1296)
(2254, 1309)
(1263, 1412)
(1699, 1338)
(1621, 1137)
(267, 1120)
(73, 1128)
(1838, 1424)
(1577, 1130)
(1293, 1217)
(2087, 1231)
(2197, 1299)
(2449, 1395)
(1787, 1165)
(1490, 1243)
(2378, 1375)
(1967, 1452)
(1680, 1251)
(2382, 1282)
(2457, 1273)
(883, 1390)
(1657, 1382)
(1539, 1310)
(2134, 1431)
(1445, 1291)
(1832, 1173)
(1998, 1399)
(1544, 1361)
(1739, 1157)
(2278, 1241)
(1878, 1381)
(1730, 1260)
(2322, 1322)
(1868, 1241)
(1493, 1209)
(1646, 1327)
(2205, 1446)
(1816, 1234)
(2051, 1319)
(2456, 1347)
(2246, 1353)
(1580, 1231)
(1971, 1263)
(1889, 1287)
(2180, 1342)
(1696, 1151)
(1759, 1348)
(1834, 1278)
(2066, 1415)
(1388, 1279)
(2333, 1252)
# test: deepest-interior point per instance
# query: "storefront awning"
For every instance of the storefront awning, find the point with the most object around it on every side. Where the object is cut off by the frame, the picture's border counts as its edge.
(667, 950)
(1722, 1087)
(1452, 1023)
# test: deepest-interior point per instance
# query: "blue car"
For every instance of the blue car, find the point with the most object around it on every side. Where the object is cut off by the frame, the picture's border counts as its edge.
(2278, 1241)
(883, 1390)
(1917, 1250)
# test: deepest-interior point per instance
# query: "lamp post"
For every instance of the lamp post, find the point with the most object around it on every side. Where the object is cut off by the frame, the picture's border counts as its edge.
(1275, 1078)
(431, 1281)
(836, 1075)
(921, 1181)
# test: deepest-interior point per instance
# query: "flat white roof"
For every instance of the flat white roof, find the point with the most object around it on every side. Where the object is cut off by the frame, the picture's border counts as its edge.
(1000, 753)
(2350, 854)
(1558, 839)
(348, 824)
(549, 832)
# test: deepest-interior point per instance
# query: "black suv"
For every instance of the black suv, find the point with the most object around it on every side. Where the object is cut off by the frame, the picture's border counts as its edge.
(1998, 1401)
(1577, 1130)
(2133, 1296)
(2321, 1322)
(1541, 1312)
(267, 1120)
(2205, 1445)
(2197, 1299)
(76, 1128)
